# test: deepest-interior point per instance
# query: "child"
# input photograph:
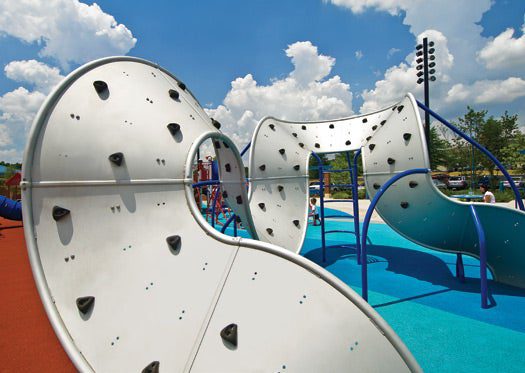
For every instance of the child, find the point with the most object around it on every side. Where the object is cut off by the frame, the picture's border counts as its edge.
(488, 196)
(313, 202)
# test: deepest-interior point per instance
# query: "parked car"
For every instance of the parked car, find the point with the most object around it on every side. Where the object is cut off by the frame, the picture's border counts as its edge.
(457, 182)
(439, 184)
(518, 180)
(315, 188)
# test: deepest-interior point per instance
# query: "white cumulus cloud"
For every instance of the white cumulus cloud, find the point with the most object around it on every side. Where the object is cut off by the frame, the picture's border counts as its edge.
(68, 30)
(307, 93)
(505, 51)
(488, 91)
(38, 74)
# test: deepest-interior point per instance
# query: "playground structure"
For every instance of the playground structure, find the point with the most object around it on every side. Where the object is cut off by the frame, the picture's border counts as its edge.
(132, 276)
(117, 215)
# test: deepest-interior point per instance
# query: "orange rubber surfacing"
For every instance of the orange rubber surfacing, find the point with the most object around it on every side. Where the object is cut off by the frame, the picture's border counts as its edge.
(27, 340)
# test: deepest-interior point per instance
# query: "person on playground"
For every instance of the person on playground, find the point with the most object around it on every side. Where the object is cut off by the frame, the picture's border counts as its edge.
(488, 196)
(313, 202)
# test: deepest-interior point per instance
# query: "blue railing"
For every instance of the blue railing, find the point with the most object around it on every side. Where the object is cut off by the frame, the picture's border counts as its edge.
(482, 257)
(355, 203)
(321, 198)
(519, 201)
(204, 183)
(368, 216)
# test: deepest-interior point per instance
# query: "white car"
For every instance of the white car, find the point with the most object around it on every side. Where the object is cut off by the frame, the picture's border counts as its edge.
(518, 180)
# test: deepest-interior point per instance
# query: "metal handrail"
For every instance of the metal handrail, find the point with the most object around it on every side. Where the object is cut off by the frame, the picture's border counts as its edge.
(245, 149)
(368, 216)
(481, 148)
(482, 257)
(228, 222)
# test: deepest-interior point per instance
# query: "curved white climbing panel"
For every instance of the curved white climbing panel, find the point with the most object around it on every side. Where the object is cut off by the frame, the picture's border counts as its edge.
(393, 141)
(131, 275)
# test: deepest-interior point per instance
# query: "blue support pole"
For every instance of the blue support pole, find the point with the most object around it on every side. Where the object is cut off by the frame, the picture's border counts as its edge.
(482, 257)
(228, 222)
(355, 203)
(368, 216)
(204, 183)
(234, 225)
(482, 149)
(245, 149)
(321, 198)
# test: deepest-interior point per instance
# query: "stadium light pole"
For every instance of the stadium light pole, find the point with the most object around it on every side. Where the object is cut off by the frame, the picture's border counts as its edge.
(425, 72)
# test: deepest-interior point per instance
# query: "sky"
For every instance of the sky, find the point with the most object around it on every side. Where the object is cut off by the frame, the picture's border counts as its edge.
(292, 59)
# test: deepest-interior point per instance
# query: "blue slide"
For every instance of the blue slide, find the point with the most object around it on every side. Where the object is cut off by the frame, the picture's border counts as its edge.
(10, 209)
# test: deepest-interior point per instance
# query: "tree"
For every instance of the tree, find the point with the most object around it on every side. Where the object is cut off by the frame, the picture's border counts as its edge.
(439, 150)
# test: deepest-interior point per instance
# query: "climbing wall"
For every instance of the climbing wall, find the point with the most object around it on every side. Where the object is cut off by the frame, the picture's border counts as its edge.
(279, 157)
(392, 141)
(131, 275)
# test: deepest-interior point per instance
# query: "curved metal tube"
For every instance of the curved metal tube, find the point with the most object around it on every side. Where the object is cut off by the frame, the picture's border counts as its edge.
(355, 204)
(246, 148)
(519, 201)
(368, 216)
(482, 257)
(228, 222)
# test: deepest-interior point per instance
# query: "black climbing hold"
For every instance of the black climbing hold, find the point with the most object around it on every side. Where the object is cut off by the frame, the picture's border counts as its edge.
(365, 120)
(215, 123)
(227, 167)
(407, 136)
(317, 145)
(59, 212)
(404, 204)
(237, 218)
(399, 108)
(262, 205)
(218, 144)
(394, 108)
(303, 127)
(348, 142)
(301, 145)
(282, 151)
(280, 188)
(229, 334)
(331, 126)
(173, 128)
(412, 184)
(371, 146)
(391, 160)
(368, 138)
(116, 158)
(294, 134)
(173, 242)
(100, 86)
(296, 223)
(85, 304)
(174, 94)
(269, 230)
(182, 85)
(262, 167)
(238, 199)
(377, 186)
(152, 367)
(224, 194)
(374, 127)
(272, 126)
(296, 167)
(383, 122)
(225, 144)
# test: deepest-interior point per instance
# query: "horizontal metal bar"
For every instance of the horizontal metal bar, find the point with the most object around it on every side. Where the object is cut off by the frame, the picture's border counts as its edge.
(338, 200)
(339, 216)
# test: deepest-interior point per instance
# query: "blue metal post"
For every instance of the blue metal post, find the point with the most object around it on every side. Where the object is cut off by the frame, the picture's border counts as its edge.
(482, 257)
(481, 148)
(234, 225)
(460, 269)
(321, 198)
(368, 216)
(204, 183)
(245, 149)
(355, 203)
(228, 222)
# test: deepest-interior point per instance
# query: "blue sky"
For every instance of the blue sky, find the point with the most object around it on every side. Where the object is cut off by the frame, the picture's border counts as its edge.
(360, 49)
